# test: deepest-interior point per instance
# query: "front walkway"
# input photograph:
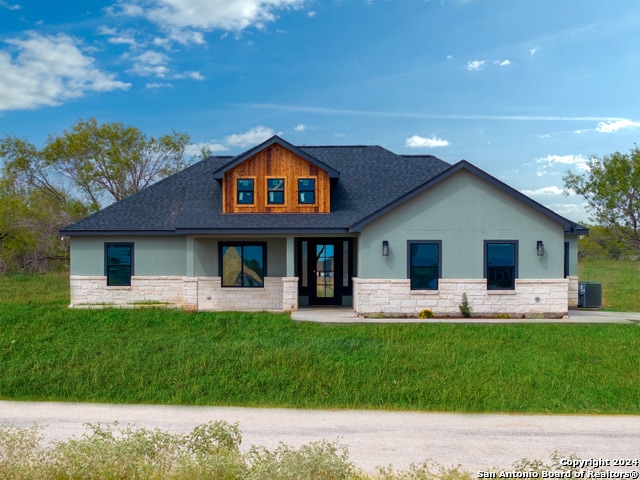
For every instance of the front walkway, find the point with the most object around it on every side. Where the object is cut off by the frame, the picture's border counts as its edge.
(347, 315)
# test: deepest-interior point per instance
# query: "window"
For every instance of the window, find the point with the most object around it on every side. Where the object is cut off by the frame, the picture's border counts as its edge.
(501, 264)
(245, 191)
(242, 264)
(275, 191)
(306, 191)
(424, 264)
(118, 263)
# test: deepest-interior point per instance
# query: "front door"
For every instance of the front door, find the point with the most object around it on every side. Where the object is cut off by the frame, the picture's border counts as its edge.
(324, 263)
(325, 270)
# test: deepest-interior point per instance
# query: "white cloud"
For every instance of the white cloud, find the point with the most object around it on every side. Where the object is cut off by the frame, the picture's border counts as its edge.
(502, 63)
(475, 65)
(48, 70)
(118, 38)
(158, 85)
(154, 64)
(533, 51)
(192, 75)
(300, 127)
(552, 190)
(252, 137)
(196, 149)
(615, 125)
(422, 142)
(189, 16)
(8, 6)
(548, 165)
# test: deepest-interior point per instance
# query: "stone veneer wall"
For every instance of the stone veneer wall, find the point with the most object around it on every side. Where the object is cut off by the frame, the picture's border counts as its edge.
(546, 297)
(573, 292)
(199, 293)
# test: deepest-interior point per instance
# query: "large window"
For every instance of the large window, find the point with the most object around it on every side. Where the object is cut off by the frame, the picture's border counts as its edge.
(501, 264)
(245, 191)
(306, 191)
(424, 262)
(242, 264)
(118, 263)
(275, 191)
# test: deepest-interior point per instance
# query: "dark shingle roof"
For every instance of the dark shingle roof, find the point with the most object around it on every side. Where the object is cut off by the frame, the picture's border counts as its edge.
(371, 181)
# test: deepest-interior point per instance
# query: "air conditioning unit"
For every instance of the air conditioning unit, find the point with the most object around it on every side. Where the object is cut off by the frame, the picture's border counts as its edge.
(589, 294)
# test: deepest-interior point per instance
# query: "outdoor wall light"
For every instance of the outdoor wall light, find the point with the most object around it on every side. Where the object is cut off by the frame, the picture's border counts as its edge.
(540, 248)
(385, 248)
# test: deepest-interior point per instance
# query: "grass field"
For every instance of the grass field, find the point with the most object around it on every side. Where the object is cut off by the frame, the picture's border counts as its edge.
(620, 282)
(48, 352)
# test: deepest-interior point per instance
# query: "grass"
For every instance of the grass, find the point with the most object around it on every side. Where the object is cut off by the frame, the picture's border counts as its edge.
(159, 356)
(620, 282)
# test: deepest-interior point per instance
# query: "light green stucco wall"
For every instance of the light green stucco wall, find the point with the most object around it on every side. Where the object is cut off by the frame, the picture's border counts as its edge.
(168, 256)
(206, 254)
(462, 211)
(152, 255)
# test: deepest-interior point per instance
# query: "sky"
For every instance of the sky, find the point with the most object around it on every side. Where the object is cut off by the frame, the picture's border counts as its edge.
(526, 90)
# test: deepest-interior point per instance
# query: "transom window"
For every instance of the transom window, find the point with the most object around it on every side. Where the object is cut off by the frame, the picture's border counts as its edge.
(118, 263)
(306, 191)
(275, 191)
(245, 191)
(501, 264)
(425, 258)
(242, 264)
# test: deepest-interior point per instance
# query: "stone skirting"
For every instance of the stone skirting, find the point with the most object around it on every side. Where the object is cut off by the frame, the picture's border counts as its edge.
(190, 293)
(547, 297)
(573, 292)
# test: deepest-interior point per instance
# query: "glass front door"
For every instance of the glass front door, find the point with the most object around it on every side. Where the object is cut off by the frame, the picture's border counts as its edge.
(325, 269)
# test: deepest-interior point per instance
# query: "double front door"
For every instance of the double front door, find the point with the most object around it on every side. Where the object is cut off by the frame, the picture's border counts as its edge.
(325, 270)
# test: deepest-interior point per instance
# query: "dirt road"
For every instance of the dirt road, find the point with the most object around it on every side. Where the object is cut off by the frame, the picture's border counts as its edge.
(373, 438)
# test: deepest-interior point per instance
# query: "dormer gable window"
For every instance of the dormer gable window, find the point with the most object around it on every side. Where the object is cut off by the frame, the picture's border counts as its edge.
(275, 191)
(245, 191)
(306, 191)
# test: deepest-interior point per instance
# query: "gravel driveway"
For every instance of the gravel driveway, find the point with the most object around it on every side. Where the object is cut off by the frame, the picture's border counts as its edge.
(373, 438)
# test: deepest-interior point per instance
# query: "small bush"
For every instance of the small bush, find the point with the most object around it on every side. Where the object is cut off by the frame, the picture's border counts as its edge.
(426, 313)
(503, 316)
(465, 308)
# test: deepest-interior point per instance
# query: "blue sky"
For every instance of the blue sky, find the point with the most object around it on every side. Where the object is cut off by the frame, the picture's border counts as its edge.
(523, 89)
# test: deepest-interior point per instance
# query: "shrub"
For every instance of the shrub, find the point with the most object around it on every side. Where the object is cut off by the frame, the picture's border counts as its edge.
(465, 308)
(503, 315)
(426, 313)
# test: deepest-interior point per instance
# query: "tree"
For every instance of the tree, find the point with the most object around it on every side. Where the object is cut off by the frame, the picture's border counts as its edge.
(611, 187)
(113, 158)
(42, 191)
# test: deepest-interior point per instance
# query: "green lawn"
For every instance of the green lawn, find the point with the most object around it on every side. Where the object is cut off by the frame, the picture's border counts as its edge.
(620, 282)
(48, 352)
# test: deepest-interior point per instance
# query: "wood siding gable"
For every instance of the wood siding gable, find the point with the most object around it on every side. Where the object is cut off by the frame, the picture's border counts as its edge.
(275, 162)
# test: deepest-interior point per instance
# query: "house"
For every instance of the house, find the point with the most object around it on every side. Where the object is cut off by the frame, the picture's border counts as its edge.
(280, 227)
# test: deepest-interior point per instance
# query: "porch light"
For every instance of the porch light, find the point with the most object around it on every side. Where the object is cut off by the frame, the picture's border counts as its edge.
(540, 248)
(385, 248)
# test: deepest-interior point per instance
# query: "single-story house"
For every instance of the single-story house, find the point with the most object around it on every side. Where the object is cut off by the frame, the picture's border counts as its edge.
(280, 227)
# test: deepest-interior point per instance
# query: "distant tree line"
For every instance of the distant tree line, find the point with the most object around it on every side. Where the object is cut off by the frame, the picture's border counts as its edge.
(74, 174)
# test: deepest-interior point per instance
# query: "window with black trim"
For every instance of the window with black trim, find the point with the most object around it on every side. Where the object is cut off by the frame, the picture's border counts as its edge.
(424, 264)
(245, 191)
(306, 191)
(501, 264)
(275, 191)
(243, 264)
(118, 263)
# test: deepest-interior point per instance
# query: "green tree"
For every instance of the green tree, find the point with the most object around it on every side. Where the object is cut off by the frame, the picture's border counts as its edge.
(113, 159)
(43, 190)
(611, 188)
